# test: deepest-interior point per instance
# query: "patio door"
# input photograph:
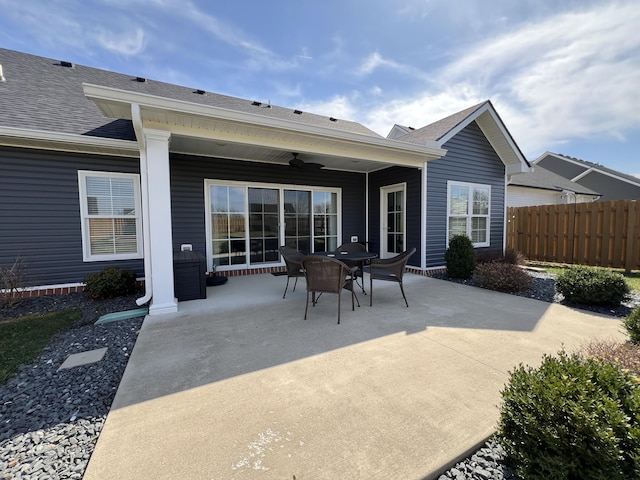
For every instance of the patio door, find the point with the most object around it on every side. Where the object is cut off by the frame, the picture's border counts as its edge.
(393, 220)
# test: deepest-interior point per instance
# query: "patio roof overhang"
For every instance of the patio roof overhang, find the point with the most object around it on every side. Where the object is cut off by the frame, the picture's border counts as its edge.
(210, 131)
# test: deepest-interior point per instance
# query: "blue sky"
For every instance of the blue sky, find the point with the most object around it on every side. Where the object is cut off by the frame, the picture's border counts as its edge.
(564, 75)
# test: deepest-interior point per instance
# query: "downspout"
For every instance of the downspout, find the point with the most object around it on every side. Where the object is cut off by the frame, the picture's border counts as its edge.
(136, 118)
(423, 217)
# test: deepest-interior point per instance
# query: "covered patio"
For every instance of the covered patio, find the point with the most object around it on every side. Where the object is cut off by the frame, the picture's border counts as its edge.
(239, 386)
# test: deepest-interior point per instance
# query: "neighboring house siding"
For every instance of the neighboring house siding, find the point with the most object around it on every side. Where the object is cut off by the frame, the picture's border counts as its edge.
(393, 176)
(610, 188)
(565, 169)
(524, 197)
(188, 174)
(470, 158)
(40, 213)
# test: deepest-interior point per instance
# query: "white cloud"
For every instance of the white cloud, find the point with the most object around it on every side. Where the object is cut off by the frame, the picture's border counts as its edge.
(339, 106)
(121, 43)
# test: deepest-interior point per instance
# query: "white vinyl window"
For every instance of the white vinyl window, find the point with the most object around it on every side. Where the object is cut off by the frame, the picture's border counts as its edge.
(468, 207)
(110, 214)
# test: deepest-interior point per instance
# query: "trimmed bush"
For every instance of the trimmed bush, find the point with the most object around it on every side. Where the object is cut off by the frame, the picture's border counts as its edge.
(513, 256)
(592, 286)
(460, 257)
(632, 325)
(572, 419)
(501, 276)
(109, 283)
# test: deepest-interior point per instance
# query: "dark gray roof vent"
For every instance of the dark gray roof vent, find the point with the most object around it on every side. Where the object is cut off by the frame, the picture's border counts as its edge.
(333, 119)
(200, 92)
(256, 104)
(411, 128)
(141, 79)
(64, 63)
(298, 112)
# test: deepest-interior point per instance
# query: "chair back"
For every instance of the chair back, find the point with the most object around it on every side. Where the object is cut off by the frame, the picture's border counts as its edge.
(352, 247)
(292, 259)
(324, 274)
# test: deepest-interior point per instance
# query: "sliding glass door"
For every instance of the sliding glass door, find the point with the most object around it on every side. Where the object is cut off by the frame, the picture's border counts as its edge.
(249, 222)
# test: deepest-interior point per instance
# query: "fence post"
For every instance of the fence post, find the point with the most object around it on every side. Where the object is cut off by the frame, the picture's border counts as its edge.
(630, 261)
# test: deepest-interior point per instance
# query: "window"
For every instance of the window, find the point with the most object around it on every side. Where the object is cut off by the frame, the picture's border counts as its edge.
(248, 222)
(468, 212)
(110, 215)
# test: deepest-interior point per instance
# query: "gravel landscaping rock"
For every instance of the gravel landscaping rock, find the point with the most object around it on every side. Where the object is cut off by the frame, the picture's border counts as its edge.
(50, 419)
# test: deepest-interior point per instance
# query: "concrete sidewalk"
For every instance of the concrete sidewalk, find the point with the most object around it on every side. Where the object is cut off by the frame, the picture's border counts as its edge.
(239, 386)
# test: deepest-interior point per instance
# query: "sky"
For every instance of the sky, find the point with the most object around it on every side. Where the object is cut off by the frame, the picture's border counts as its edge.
(563, 75)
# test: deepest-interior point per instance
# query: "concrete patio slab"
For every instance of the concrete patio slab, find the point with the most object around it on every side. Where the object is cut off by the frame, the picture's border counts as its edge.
(239, 386)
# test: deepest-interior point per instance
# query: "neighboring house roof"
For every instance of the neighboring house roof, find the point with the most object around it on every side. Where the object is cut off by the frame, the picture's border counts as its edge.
(485, 115)
(544, 179)
(591, 167)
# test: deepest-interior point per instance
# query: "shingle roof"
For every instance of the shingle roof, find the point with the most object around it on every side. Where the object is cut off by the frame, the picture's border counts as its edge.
(41, 94)
(600, 167)
(437, 130)
(548, 180)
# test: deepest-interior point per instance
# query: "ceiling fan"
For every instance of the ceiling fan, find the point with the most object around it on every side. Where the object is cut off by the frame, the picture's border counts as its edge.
(295, 162)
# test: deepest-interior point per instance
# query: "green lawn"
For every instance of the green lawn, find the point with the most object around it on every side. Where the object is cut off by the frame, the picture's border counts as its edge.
(632, 278)
(23, 339)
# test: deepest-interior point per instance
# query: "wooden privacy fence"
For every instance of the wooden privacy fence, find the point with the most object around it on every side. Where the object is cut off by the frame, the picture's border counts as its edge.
(605, 234)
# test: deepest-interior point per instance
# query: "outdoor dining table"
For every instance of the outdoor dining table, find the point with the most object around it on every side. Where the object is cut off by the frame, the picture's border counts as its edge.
(359, 258)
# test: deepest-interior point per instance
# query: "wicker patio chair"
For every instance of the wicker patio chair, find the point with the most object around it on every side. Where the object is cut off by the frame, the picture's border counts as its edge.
(327, 275)
(292, 259)
(389, 269)
(357, 266)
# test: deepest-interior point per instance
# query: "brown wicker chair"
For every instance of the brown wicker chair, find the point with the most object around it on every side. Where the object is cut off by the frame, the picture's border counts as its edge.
(358, 266)
(292, 259)
(326, 275)
(389, 269)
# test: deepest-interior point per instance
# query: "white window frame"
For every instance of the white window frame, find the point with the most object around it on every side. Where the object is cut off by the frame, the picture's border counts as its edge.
(281, 229)
(470, 215)
(87, 256)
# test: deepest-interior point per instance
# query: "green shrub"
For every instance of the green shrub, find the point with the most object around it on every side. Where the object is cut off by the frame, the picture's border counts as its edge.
(572, 419)
(110, 282)
(501, 276)
(632, 325)
(592, 286)
(460, 257)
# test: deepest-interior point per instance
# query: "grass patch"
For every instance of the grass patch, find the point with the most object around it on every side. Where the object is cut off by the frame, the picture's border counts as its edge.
(23, 339)
(632, 278)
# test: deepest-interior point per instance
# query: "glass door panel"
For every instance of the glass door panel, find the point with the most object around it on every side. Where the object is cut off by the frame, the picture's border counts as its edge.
(264, 208)
(228, 233)
(393, 224)
(297, 225)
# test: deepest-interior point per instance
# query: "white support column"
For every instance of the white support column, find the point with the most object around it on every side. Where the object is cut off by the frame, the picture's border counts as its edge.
(161, 243)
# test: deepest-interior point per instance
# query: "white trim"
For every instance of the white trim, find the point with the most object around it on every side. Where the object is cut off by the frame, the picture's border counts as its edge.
(281, 187)
(87, 256)
(423, 218)
(469, 215)
(59, 141)
(396, 187)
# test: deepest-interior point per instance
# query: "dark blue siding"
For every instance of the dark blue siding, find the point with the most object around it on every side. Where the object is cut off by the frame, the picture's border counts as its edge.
(393, 176)
(470, 158)
(40, 213)
(188, 174)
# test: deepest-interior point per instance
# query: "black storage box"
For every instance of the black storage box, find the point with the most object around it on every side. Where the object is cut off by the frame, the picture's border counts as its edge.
(189, 272)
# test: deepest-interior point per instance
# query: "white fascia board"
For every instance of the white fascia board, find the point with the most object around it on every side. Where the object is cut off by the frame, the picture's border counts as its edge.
(66, 141)
(104, 95)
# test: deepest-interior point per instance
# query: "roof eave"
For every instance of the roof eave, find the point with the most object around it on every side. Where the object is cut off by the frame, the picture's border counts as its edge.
(162, 112)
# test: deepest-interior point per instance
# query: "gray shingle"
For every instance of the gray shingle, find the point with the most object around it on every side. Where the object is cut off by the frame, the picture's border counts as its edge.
(39, 93)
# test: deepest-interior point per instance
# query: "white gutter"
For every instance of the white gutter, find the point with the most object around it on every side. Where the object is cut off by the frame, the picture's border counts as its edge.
(136, 118)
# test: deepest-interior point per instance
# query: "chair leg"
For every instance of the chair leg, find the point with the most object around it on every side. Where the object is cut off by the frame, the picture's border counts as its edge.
(339, 302)
(403, 295)
(306, 308)
(370, 290)
(294, 284)
(285, 288)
